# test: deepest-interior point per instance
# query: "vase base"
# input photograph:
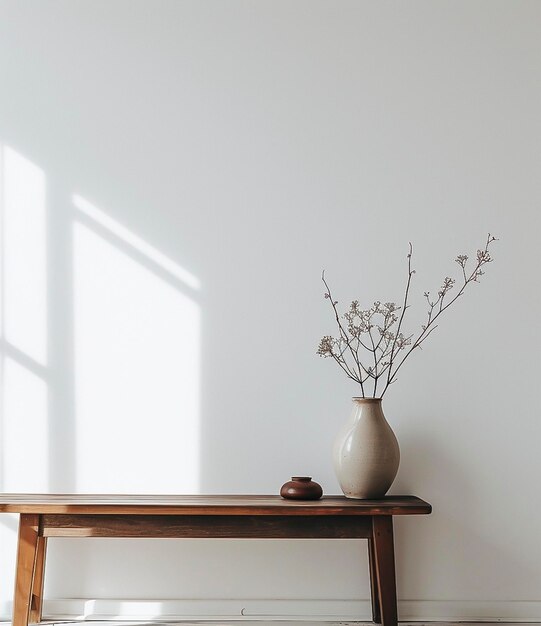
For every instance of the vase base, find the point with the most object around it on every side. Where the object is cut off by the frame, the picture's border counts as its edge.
(378, 497)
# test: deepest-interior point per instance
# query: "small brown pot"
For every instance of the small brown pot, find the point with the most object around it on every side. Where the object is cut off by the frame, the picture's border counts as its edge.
(301, 488)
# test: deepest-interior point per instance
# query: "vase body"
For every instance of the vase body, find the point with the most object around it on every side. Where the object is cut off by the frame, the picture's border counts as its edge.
(366, 453)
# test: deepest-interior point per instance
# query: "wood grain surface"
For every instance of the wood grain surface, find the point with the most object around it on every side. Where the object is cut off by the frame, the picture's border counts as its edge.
(101, 504)
(207, 526)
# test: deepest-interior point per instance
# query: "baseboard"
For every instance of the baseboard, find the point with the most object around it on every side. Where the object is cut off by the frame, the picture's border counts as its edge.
(292, 610)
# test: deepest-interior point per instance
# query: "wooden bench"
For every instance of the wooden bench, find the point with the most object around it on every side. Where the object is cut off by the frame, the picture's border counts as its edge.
(250, 517)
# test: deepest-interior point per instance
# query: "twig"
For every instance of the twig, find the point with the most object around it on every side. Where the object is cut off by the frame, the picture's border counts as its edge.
(390, 343)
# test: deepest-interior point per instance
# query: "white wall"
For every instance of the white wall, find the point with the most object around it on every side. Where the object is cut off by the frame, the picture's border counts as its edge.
(188, 169)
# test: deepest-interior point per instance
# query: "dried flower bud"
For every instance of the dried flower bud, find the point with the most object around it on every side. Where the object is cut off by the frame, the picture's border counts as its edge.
(326, 346)
(483, 256)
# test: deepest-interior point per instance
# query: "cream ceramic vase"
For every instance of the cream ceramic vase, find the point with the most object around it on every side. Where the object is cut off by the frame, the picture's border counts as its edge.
(366, 453)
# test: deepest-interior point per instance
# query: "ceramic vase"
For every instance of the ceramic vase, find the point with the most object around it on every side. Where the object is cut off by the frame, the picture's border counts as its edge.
(366, 453)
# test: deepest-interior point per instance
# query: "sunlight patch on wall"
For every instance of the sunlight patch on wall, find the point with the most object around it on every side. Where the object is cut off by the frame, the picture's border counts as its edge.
(24, 255)
(24, 444)
(23, 324)
(136, 369)
(136, 242)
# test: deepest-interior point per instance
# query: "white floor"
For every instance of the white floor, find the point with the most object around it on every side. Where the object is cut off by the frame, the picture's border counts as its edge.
(258, 623)
(229, 622)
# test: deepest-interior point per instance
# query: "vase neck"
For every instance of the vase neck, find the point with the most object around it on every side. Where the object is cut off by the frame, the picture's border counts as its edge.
(367, 408)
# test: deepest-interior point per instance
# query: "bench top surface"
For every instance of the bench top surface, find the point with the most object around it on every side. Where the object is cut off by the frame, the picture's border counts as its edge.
(103, 504)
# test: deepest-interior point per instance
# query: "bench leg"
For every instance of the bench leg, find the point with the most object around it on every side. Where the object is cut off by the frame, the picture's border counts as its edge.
(382, 538)
(26, 561)
(374, 593)
(36, 603)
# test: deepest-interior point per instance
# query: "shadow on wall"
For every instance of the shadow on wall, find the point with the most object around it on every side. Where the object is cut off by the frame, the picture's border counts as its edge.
(457, 517)
(99, 350)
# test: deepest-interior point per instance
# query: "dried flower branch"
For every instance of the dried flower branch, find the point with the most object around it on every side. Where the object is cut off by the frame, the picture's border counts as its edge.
(373, 330)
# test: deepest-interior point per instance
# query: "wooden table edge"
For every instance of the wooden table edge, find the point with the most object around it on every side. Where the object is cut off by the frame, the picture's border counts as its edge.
(410, 505)
(111, 510)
